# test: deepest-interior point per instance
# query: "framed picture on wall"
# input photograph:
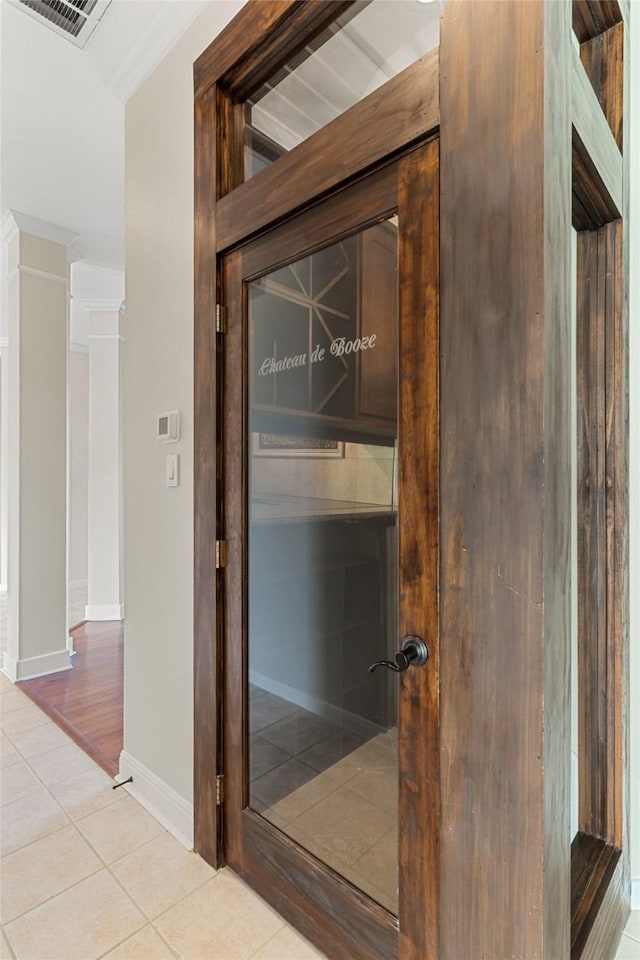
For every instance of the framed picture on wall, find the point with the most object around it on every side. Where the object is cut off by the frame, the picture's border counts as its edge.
(283, 445)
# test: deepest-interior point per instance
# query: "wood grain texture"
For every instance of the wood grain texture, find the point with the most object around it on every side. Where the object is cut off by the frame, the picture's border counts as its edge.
(259, 39)
(558, 494)
(602, 57)
(616, 512)
(377, 387)
(592, 584)
(370, 199)
(593, 138)
(233, 427)
(341, 920)
(230, 143)
(504, 620)
(419, 708)
(241, 38)
(592, 17)
(602, 529)
(402, 111)
(207, 698)
(87, 702)
(592, 205)
(610, 921)
(603, 587)
(593, 865)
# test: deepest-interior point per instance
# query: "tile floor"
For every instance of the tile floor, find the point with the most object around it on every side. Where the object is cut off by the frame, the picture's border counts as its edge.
(87, 873)
(332, 790)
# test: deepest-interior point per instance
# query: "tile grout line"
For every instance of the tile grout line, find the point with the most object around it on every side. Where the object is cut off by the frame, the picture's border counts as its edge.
(74, 824)
(103, 865)
(152, 920)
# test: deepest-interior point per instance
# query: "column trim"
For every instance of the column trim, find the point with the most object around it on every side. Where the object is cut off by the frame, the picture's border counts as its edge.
(41, 274)
(32, 667)
(104, 611)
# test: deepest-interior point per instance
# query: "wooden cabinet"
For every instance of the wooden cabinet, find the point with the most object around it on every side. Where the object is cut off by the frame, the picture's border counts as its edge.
(323, 341)
(378, 317)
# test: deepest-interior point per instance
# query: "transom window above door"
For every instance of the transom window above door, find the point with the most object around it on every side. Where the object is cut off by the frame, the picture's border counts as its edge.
(363, 48)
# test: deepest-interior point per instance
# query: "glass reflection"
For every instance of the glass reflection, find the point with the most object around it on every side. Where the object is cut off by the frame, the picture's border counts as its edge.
(323, 556)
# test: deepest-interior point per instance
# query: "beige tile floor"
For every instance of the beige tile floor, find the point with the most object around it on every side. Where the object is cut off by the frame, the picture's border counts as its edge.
(86, 873)
(347, 816)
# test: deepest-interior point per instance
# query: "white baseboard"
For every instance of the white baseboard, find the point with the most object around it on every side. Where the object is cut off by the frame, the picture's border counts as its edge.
(32, 667)
(321, 708)
(104, 611)
(635, 893)
(168, 807)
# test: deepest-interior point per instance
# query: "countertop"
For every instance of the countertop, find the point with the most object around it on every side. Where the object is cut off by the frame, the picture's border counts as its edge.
(272, 508)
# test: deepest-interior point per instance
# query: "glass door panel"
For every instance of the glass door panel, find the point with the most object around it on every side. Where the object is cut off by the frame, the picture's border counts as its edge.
(322, 555)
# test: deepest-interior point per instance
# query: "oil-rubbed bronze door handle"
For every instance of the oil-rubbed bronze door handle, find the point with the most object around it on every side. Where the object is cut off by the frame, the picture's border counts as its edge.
(413, 653)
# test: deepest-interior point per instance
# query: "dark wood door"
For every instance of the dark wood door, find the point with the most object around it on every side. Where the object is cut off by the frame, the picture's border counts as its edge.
(331, 771)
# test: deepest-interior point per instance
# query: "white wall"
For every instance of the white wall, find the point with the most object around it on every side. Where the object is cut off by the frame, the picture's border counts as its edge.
(158, 333)
(78, 464)
(62, 136)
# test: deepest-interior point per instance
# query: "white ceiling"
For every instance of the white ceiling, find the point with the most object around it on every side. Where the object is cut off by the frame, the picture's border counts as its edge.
(62, 116)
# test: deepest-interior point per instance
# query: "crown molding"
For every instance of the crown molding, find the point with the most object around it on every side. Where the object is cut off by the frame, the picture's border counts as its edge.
(15, 220)
(143, 56)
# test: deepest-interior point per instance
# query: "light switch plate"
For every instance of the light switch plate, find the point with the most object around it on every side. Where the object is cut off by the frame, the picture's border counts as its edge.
(172, 469)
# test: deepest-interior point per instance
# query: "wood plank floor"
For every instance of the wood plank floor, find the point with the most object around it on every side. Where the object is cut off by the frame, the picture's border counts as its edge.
(87, 702)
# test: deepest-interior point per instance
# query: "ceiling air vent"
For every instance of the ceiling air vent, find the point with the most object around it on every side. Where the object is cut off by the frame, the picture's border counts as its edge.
(74, 19)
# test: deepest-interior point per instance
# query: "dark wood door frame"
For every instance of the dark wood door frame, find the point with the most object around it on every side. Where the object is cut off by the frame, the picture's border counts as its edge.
(290, 879)
(517, 112)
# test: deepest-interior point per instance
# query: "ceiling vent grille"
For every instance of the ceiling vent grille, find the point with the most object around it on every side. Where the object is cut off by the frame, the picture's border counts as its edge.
(73, 19)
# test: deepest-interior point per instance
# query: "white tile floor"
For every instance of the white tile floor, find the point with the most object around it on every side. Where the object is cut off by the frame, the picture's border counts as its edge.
(87, 873)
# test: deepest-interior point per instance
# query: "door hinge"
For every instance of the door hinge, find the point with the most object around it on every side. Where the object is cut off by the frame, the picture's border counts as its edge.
(221, 554)
(220, 318)
(219, 789)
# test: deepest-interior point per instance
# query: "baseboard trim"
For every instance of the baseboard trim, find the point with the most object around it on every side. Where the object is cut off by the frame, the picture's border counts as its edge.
(104, 611)
(162, 802)
(33, 667)
(321, 708)
(635, 893)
